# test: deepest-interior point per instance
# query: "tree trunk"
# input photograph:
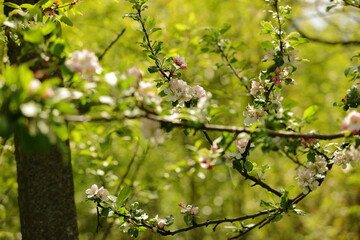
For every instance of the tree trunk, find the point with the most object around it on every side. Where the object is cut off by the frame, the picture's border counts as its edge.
(45, 181)
(46, 194)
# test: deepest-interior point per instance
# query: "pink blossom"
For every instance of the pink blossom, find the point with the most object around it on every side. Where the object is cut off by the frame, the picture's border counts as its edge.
(180, 61)
(91, 192)
(352, 122)
(83, 61)
(194, 210)
(199, 91)
(100, 193)
(241, 145)
(135, 73)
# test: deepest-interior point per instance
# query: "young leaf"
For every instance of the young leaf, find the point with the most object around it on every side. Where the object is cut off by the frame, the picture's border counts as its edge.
(66, 20)
(310, 112)
(124, 194)
(188, 219)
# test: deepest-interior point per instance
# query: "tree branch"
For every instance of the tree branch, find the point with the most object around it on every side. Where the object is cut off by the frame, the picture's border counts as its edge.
(211, 127)
(323, 41)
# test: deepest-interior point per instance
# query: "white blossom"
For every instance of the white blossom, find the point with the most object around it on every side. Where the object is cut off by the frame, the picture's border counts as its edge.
(99, 193)
(252, 115)
(199, 91)
(179, 90)
(319, 166)
(85, 62)
(307, 180)
(256, 88)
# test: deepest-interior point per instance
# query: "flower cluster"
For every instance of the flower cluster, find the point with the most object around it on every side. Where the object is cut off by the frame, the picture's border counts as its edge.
(347, 156)
(352, 122)
(188, 209)
(207, 157)
(99, 194)
(241, 145)
(309, 178)
(253, 114)
(84, 62)
(256, 88)
(179, 91)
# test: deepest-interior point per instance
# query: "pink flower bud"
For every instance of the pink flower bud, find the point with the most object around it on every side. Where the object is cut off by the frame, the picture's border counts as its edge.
(214, 147)
(161, 223)
(277, 70)
(180, 61)
(181, 204)
(276, 80)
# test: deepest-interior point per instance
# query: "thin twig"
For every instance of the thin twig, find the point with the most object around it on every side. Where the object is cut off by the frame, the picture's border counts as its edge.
(148, 42)
(132, 160)
(260, 183)
(207, 137)
(112, 44)
(233, 70)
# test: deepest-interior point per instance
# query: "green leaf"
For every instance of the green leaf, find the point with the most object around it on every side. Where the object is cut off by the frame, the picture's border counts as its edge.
(266, 204)
(133, 232)
(248, 166)
(267, 45)
(33, 36)
(310, 112)
(66, 20)
(26, 5)
(12, 5)
(284, 201)
(277, 218)
(153, 69)
(105, 212)
(48, 28)
(311, 156)
(124, 194)
(57, 48)
(237, 165)
(169, 220)
(188, 219)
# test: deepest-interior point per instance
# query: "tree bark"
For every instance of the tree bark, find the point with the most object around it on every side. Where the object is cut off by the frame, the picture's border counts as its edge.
(45, 181)
(46, 193)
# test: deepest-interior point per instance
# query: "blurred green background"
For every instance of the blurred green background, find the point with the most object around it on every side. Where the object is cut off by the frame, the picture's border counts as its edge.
(163, 175)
